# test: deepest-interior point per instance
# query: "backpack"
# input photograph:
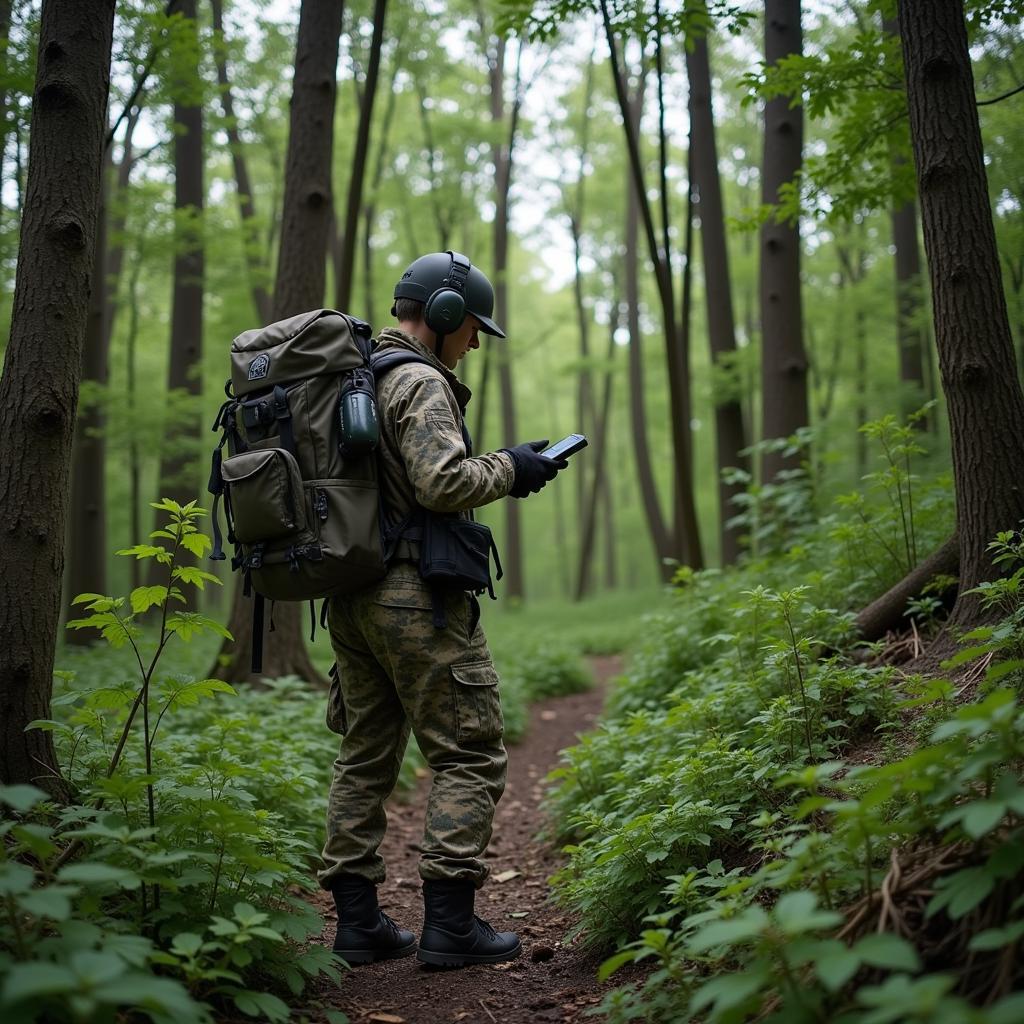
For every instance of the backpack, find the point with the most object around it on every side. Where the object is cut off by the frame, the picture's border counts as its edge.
(300, 481)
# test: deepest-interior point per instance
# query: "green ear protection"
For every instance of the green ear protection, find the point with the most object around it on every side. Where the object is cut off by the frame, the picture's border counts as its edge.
(445, 309)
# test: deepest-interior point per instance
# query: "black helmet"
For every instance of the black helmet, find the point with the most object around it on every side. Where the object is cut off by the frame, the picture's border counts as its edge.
(446, 271)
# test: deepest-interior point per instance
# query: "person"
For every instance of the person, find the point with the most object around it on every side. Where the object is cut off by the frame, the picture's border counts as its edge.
(399, 668)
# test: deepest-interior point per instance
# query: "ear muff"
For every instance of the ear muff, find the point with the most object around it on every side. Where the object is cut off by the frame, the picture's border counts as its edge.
(445, 309)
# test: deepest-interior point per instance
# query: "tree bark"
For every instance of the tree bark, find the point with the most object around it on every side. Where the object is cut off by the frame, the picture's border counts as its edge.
(179, 468)
(246, 203)
(972, 329)
(347, 242)
(301, 277)
(39, 384)
(730, 433)
(783, 360)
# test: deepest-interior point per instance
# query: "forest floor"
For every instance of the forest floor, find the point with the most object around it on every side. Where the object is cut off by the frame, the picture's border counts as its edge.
(553, 980)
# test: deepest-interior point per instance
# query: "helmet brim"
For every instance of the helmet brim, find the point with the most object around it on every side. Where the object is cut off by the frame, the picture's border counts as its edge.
(488, 326)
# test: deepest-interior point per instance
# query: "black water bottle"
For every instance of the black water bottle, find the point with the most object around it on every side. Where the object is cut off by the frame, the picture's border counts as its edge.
(357, 411)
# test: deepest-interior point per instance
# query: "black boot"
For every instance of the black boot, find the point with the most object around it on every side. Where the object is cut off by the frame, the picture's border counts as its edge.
(365, 932)
(453, 936)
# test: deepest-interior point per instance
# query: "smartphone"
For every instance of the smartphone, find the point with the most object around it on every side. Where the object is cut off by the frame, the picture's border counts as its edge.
(566, 447)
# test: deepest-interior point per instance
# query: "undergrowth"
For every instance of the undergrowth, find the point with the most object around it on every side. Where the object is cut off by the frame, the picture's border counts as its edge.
(788, 831)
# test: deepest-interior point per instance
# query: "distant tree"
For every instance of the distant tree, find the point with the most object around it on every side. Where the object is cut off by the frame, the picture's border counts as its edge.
(972, 330)
(40, 380)
(783, 360)
(179, 475)
(243, 182)
(301, 278)
(354, 202)
(730, 432)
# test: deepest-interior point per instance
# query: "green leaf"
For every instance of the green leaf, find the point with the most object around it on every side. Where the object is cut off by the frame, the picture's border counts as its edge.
(21, 797)
(186, 944)
(613, 963)
(15, 878)
(835, 964)
(744, 926)
(198, 544)
(157, 551)
(797, 912)
(252, 1004)
(727, 991)
(960, 892)
(996, 938)
(1003, 668)
(28, 981)
(92, 873)
(194, 575)
(51, 901)
(981, 816)
(887, 950)
(336, 1017)
(143, 598)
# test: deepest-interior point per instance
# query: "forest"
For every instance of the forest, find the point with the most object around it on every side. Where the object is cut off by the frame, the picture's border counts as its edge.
(760, 645)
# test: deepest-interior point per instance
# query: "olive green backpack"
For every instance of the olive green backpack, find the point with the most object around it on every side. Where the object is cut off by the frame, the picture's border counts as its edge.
(300, 495)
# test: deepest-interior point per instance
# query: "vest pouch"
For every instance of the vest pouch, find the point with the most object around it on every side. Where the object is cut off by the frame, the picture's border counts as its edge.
(265, 490)
(455, 554)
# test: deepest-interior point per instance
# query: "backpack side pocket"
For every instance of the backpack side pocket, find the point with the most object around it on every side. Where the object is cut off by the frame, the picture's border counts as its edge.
(265, 490)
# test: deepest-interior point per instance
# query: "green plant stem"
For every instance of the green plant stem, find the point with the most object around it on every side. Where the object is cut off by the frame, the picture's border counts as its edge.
(910, 512)
(800, 679)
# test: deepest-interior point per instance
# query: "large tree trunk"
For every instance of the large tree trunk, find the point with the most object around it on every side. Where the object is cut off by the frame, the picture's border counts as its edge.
(730, 434)
(301, 276)
(179, 467)
(39, 385)
(246, 204)
(783, 360)
(347, 242)
(972, 329)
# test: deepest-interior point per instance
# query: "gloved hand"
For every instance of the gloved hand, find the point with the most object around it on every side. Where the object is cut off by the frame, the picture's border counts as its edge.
(533, 470)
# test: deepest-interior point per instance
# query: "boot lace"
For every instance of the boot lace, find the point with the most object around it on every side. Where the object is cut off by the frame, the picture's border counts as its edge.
(485, 927)
(391, 924)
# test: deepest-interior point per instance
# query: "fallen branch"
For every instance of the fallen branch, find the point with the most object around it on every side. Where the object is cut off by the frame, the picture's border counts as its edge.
(887, 612)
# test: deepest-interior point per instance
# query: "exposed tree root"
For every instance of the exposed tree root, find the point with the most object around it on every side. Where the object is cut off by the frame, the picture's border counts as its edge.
(899, 906)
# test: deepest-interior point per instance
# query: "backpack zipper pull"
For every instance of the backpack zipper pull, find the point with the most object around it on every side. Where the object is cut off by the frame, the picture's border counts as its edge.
(321, 505)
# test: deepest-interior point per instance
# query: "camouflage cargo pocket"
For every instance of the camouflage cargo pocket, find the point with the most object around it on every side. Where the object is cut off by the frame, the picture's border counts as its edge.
(337, 720)
(477, 704)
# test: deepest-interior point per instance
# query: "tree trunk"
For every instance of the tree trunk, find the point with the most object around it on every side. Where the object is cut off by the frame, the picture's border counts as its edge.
(347, 242)
(783, 361)
(730, 433)
(662, 542)
(972, 329)
(39, 384)
(179, 468)
(246, 203)
(301, 276)
(501, 155)
(588, 533)
(87, 518)
(685, 541)
(370, 206)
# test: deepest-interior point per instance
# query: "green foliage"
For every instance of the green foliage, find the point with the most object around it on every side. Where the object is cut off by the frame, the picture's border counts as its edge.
(755, 786)
(175, 881)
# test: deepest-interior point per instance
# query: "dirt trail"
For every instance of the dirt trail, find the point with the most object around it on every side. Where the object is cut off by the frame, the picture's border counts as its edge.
(551, 981)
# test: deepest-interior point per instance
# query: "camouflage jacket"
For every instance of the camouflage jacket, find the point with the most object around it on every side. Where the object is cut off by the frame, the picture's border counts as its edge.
(423, 458)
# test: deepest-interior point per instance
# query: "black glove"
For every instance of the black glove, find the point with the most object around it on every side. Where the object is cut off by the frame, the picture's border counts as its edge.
(533, 470)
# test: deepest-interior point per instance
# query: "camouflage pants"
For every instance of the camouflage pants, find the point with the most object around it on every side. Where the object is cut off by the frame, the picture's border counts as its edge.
(397, 672)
